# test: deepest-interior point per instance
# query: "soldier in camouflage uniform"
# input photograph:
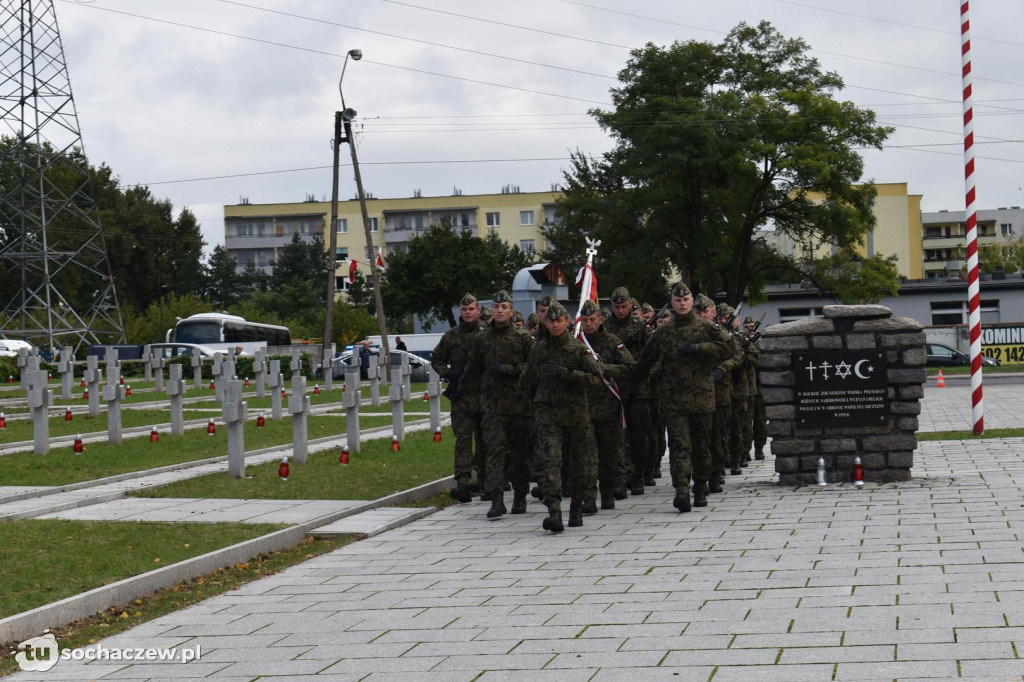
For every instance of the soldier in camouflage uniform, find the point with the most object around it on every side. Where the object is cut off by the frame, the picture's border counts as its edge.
(688, 349)
(517, 320)
(560, 371)
(722, 375)
(449, 360)
(532, 323)
(636, 394)
(498, 357)
(758, 415)
(739, 443)
(606, 411)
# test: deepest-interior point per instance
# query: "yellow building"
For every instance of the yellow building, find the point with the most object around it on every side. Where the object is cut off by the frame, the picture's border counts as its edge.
(897, 232)
(254, 232)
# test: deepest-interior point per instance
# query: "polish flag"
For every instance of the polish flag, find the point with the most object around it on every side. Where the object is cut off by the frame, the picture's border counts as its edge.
(353, 265)
(588, 282)
(380, 261)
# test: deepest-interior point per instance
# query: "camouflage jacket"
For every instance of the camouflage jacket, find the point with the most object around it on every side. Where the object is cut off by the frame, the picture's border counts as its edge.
(731, 365)
(686, 382)
(617, 363)
(496, 359)
(635, 335)
(741, 377)
(452, 353)
(561, 398)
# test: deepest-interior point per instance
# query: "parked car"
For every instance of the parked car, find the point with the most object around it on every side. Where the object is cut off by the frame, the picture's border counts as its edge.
(417, 364)
(9, 347)
(940, 355)
(173, 350)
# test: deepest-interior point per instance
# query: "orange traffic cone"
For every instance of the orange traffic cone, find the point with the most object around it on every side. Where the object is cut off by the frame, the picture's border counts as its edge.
(941, 381)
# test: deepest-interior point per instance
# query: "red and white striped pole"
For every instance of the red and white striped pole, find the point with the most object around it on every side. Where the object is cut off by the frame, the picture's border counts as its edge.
(973, 288)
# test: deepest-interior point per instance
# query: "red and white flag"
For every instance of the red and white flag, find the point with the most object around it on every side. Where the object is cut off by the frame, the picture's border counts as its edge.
(353, 265)
(587, 282)
(380, 261)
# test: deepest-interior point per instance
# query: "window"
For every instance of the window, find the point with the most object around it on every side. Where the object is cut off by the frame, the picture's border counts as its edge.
(526, 217)
(494, 219)
(1006, 229)
(948, 312)
(989, 311)
(373, 224)
(341, 227)
(341, 253)
(526, 245)
(243, 230)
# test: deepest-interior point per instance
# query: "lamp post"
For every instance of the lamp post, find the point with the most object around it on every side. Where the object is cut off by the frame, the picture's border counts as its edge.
(343, 133)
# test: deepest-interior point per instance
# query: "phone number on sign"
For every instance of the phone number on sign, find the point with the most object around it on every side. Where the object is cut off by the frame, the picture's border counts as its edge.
(1004, 354)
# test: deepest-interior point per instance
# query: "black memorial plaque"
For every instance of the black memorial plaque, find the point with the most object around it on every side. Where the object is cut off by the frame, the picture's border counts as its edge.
(843, 387)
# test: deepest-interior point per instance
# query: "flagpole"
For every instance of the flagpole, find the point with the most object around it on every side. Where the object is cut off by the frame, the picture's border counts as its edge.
(586, 281)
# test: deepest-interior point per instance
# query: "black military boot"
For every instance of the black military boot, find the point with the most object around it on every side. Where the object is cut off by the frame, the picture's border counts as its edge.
(649, 478)
(700, 494)
(537, 493)
(589, 505)
(636, 485)
(461, 493)
(553, 522)
(682, 502)
(607, 501)
(485, 496)
(758, 453)
(497, 505)
(575, 516)
(715, 484)
(619, 492)
(518, 504)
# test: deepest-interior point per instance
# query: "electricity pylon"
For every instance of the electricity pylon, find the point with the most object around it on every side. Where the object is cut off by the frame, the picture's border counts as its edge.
(51, 241)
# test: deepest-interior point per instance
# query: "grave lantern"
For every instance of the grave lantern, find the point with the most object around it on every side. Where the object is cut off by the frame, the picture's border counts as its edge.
(437, 435)
(343, 459)
(67, 415)
(211, 428)
(78, 444)
(154, 436)
(282, 470)
(394, 443)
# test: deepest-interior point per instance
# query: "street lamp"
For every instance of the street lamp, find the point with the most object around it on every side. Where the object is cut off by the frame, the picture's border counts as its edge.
(343, 121)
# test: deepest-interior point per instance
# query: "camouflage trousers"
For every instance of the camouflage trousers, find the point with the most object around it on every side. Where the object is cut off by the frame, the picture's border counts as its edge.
(577, 441)
(740, 432)
(508, 446)
(721, 427)
(639, 434)
(467, 427)
(760, 420)
(660, 441)
(611, 470)
(689, 447)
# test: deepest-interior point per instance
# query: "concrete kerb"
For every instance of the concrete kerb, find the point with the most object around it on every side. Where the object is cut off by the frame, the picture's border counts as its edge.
(327, 442)
(23, 625)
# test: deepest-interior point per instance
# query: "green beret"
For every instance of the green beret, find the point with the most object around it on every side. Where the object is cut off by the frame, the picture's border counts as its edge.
(702, 302)
(725, 309)
(620, 295)
(681, 290)
(546, 301)
(502, 297)
(532, 320)
(589, 308)
(468, 299)
(556, 311)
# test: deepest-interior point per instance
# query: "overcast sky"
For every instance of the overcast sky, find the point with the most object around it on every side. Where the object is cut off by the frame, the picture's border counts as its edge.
(184, 94)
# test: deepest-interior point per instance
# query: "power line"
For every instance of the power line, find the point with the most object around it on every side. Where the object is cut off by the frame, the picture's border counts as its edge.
(418, 40)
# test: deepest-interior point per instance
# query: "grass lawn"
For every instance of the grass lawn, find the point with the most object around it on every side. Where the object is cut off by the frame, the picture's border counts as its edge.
(21, 430)
(370, 474)
(47, 560)
(120, 617)
(61, 466)
(969, 435)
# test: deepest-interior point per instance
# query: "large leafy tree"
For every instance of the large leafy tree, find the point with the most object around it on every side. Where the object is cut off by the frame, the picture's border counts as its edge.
(712, 142)
(441, 265)
(224, 286)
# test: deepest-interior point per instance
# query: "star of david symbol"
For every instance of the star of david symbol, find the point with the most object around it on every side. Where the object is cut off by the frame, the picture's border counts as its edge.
(842, 370)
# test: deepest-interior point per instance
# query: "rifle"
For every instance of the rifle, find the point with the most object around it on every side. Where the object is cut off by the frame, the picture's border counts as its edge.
(753, 334)
(635, 336)
(732, 318)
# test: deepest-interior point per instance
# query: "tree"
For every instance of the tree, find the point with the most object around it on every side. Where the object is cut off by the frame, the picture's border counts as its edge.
(712, 142)
(1007, 256)
(851, 279)
(352, 324)
(223, 283)
(439, 267)
(152, 325)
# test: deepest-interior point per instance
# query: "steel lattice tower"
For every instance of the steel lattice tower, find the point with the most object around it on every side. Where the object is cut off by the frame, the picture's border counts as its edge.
(50, 234)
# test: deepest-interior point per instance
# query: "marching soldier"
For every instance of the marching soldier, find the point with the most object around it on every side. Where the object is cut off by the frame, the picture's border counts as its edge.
(562, 371)
(497, 358)
(758, 415)
(449, 360)
(722, 420)
(606, 411)
(688, 349)
(739, 441)
(636, 392)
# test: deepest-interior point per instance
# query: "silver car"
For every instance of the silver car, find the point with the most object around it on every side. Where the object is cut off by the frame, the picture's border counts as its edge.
(417, 365)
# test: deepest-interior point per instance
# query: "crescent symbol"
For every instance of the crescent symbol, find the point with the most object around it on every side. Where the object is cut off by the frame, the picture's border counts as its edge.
(856, 369)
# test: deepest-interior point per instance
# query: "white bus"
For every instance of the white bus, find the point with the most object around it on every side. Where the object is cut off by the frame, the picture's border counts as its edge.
(222, 332)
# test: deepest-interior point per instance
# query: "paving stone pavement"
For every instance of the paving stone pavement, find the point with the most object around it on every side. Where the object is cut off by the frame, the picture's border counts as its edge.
(915, 580)
(949, 409)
